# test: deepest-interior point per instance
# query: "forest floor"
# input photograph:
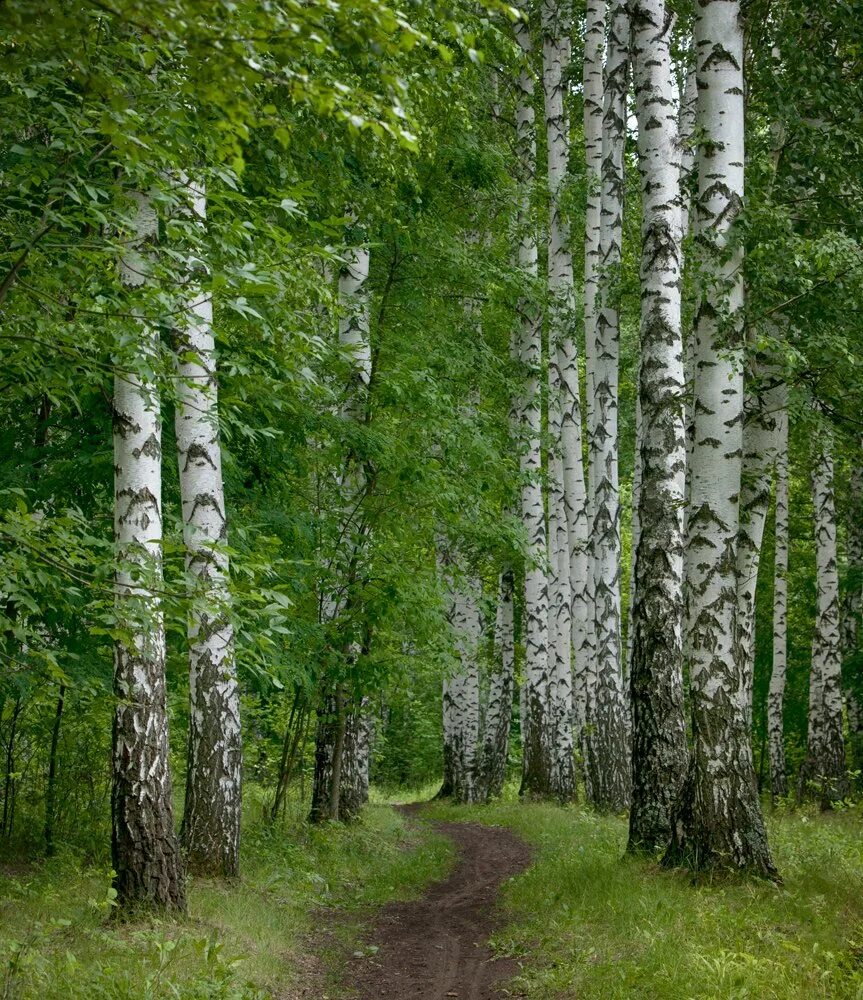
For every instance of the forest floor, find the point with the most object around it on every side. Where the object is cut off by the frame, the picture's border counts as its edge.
(392, 905)
(437, 946)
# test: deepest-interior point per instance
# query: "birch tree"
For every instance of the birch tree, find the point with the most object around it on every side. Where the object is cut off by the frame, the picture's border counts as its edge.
(776, 693)
(461, 689)
(764, 402)
(536, 776)
(213, 804)
(610, 739)
(717, 820)
(853, 609)
(567, 514)
(498, 712)
(583, 611)
(338, 732)
(659, 753)
(145, 852)
(824, 772)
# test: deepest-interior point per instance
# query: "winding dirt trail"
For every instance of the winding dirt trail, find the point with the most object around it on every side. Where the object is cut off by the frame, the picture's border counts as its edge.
(436, 947)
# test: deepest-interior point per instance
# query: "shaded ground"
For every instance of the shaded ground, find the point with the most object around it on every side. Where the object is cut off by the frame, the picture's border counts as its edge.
(436, 947)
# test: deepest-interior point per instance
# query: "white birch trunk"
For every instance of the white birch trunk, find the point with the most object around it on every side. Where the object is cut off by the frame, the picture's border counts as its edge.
(342, 734)
(536, 776)
(659, 752)
(144, 848)
(776, 693)
(566, 500)
(213, 804)
(610, 739)
(582, 569)
(498, 712)
(461, 690)
(824, 771)
(717, 821)
(852, 626)
(763, 407)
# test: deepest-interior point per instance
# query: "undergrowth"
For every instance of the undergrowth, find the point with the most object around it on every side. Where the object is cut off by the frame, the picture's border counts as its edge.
(247, 940)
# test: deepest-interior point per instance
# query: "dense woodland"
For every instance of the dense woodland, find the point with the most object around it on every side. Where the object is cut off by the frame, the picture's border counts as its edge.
(453, 393)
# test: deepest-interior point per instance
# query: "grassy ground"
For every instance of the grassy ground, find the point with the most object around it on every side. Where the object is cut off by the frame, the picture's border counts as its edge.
(583, 921)
(587, 923)
(241, 942)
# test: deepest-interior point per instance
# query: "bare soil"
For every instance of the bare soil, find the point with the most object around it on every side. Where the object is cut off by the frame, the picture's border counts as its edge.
(436, 947)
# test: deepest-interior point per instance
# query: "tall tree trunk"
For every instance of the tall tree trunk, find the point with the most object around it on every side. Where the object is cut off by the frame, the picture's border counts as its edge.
(824, 771)
(536, 775)
(853, 612)
(610, 738)
(51, 787)
(776, 694)
(717, 820)
(144, 847)
(582, 570)
(498, 714)
(659, 752)
(210, 830)
(461, 690)
(563, 403)
(764, 403)
(9, 777)
(333, 725)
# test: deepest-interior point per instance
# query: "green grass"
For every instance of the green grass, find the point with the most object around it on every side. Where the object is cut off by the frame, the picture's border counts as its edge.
(243, 941)
(583, 921)
(586, 922)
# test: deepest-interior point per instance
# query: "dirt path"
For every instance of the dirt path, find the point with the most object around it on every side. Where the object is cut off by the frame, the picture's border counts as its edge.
(436, 947)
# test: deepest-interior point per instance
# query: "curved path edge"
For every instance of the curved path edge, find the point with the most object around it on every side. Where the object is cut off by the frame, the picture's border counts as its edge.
(436, 947)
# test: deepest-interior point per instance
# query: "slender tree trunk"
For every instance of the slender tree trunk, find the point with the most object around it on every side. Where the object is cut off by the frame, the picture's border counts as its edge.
(210, 830)
(51, 788)
(9, 778)
(461, 690)
(563, 402)
(498, 713)
(294, 731)
(144, 847)
(764, 404)
(824, 771)
(776, 694)
(659, 752)
(354, 340)
(536, 775)
(582, 570)
(717, 821)
(610, 738)
(853, 613)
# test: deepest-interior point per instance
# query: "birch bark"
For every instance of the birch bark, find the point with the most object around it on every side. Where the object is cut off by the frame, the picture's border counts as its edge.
(764, 403)
(776, 693)
(567, 521)
(461, 690)
(717, 820)
(213, 805)
(852, 624)
(144, 849)
(498, 714)
(659, 753)
(341, 751)
(824, 772)
(537, 756)
(583, 596)
(610, 739)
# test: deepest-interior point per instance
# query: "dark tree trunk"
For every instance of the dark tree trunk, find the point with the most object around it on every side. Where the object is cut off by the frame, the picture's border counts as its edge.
(9, 782)
(50, 791)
